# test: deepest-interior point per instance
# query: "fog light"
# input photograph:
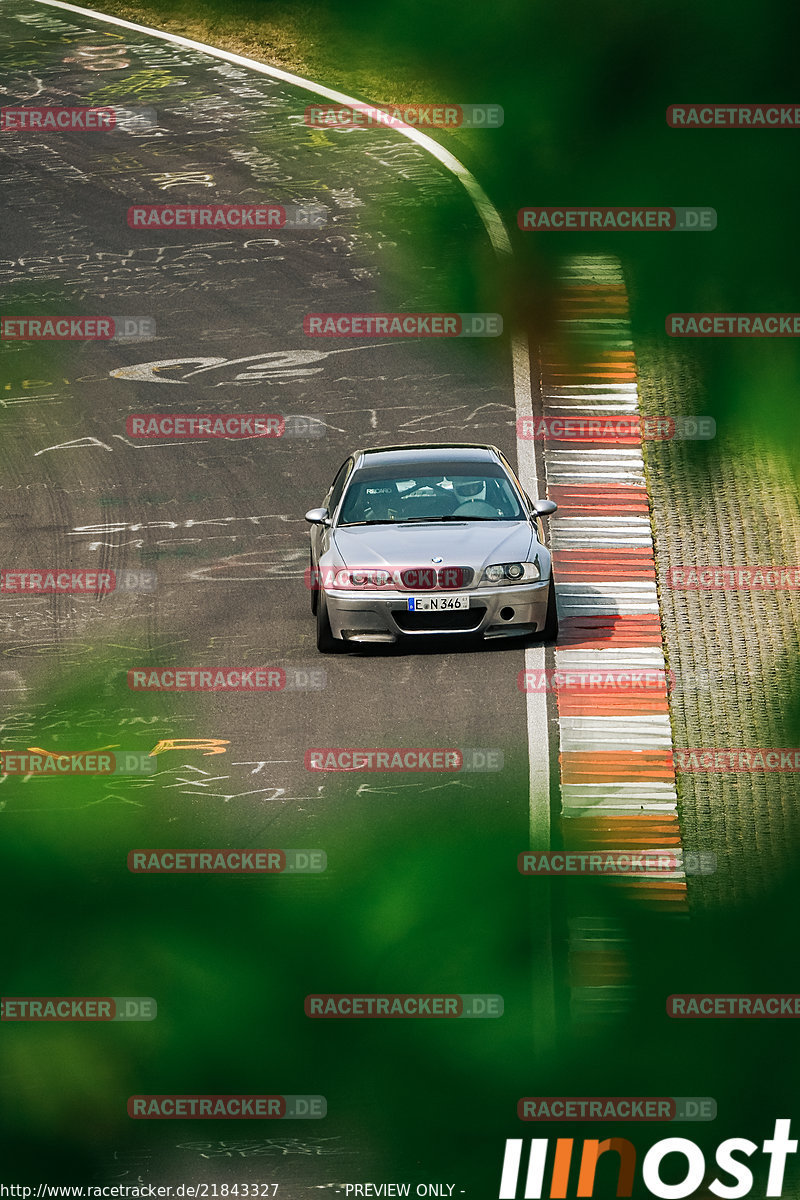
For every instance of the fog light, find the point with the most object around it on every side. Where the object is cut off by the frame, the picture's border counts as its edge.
(506, 613)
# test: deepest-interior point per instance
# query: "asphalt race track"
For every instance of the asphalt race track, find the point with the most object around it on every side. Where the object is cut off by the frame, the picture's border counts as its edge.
(220, 524)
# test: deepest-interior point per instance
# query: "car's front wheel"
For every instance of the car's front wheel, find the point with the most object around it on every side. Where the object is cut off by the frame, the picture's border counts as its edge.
(549, 632)
(326, 642)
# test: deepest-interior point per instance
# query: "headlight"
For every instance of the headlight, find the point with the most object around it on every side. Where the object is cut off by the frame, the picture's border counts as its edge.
(362, 579)
(515, 572)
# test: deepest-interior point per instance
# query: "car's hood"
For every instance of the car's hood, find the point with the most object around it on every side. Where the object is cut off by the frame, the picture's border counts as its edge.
(469, 544)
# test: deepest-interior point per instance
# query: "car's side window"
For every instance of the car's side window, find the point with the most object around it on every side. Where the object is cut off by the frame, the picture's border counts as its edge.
(514, 476)
(335, 494)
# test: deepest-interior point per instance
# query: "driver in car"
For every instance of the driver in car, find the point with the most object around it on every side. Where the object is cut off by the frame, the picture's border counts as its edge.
(468, 489)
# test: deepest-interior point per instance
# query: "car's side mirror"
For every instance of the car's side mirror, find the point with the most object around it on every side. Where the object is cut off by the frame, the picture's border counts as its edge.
(543, 508)
(317, 516)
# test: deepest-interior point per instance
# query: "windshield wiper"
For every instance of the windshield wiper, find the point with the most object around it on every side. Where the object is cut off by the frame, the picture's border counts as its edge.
(426, 520)
(423, 521)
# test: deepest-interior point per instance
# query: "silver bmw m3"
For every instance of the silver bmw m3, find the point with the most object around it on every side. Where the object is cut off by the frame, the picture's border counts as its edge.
(429, 540)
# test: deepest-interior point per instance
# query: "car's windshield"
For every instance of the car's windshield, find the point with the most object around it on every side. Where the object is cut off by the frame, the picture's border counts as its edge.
(432, 491)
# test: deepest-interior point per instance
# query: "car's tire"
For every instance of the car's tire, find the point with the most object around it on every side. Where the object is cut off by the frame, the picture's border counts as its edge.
(313, 583)
(326, 642)
(550, 631)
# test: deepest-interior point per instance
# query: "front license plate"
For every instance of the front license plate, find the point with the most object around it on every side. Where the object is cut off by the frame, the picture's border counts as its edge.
(437, 603)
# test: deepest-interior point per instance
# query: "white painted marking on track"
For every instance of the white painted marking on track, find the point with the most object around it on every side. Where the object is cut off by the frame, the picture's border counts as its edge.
(78, 443)
(617, 658)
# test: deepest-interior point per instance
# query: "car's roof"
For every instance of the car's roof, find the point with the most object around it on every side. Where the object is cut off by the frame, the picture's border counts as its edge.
(380, 456)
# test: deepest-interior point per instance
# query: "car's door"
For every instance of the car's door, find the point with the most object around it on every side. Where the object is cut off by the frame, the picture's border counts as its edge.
(527, 501)
(321, 534)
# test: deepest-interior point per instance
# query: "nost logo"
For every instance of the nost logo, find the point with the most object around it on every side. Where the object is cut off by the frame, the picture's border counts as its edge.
(559, 1166)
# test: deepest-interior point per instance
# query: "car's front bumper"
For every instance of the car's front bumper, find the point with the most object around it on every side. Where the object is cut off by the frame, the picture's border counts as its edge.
(384, 616)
